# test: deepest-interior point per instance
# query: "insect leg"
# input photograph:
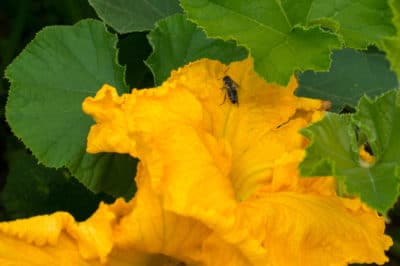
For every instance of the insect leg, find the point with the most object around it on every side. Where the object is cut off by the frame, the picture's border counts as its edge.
(224, 99)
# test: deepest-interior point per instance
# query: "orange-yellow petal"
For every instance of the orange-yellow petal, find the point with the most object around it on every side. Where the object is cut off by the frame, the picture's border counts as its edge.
(231, 168)
(140, 232)
(309, 229)
(57, 239)
(155, 230)
(168, 126)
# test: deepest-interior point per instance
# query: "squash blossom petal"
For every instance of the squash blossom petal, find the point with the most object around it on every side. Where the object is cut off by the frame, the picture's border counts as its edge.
(217, 183)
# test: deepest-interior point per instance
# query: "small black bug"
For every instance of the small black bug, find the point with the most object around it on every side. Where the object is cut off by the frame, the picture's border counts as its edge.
(231, 89)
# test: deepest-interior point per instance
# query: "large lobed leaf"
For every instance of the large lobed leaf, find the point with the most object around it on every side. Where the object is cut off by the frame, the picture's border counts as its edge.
(134, 15)
(49, 80)
(391, 45)
(359, 22)
(335, 144)
(352, 74)
(284, 36)
(177, 42)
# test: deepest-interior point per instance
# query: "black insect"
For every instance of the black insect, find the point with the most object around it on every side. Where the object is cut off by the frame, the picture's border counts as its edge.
(231, 89)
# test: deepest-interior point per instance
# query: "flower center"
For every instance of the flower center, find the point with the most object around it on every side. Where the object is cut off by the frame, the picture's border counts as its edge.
(164, 260)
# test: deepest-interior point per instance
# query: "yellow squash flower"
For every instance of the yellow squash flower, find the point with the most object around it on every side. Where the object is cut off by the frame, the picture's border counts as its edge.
(217, 183)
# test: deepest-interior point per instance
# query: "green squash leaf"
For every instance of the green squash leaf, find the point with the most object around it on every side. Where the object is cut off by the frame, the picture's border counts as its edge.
(137, 15)
(335, 143)
(391, 45)
(49, 80)
(177, 42)
(277, 45)
(32, 189)
(284, 36)
(352, 74)
(392, 49)
(359, 23)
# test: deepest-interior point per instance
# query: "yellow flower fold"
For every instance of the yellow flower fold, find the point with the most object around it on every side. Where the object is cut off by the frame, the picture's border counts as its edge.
(217, 183)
